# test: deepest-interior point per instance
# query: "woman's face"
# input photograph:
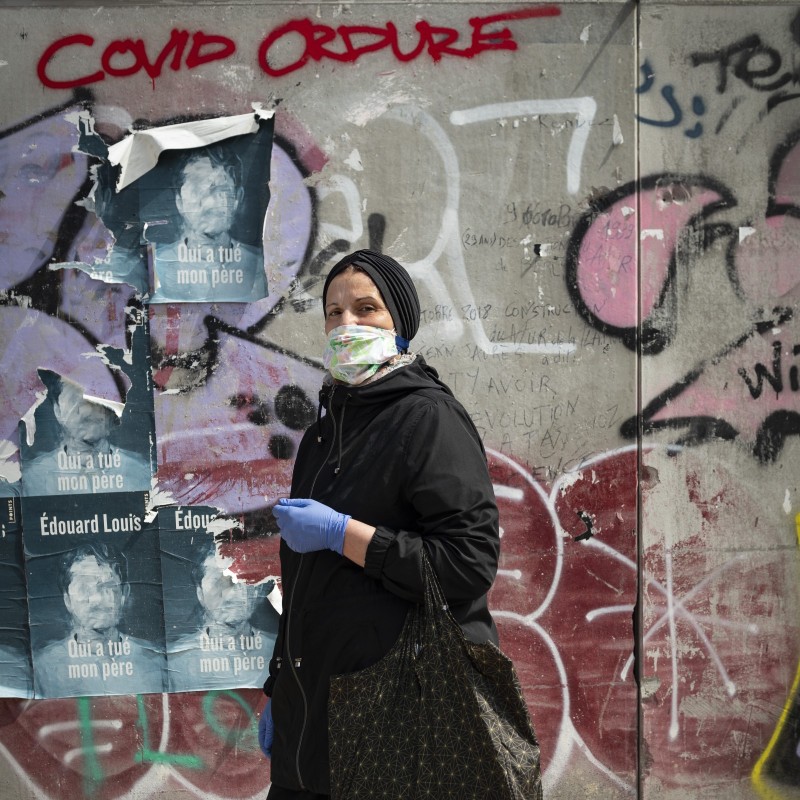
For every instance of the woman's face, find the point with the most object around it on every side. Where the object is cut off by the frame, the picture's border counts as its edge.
(353, 299)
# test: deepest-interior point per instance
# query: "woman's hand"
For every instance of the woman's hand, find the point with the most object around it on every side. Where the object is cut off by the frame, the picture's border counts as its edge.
(307, 525)
(266, 729)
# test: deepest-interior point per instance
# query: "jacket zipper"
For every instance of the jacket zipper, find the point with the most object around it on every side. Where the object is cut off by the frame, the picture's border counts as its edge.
(292, 665)
(296, 676)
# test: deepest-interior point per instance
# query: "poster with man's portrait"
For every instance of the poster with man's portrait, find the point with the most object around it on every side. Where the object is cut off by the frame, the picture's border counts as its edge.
(74, 443)
(220, 630)
(186, 204)
(78, 445)
(94, 594)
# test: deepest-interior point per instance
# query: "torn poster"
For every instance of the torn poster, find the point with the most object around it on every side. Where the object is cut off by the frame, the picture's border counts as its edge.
(220, 631)
(94, 595)
(74, 443)
(75, 449)
(16, 674)
(186, 204)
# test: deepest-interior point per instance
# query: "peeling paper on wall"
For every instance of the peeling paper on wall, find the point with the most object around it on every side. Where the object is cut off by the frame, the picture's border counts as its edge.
(184, 207)
(568, 480)
(138, 153)
(74, 442)
(745, 232)
(9, 469)
(156, 500)
(616, 137)
(354, 161)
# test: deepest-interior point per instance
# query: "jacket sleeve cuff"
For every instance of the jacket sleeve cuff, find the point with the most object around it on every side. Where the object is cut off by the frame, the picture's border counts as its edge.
(376, 552)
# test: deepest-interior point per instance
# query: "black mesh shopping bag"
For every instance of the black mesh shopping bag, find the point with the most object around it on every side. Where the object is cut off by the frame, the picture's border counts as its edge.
(438, 717)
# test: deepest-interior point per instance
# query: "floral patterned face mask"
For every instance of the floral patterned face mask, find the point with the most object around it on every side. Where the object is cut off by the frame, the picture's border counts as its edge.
(356, 352)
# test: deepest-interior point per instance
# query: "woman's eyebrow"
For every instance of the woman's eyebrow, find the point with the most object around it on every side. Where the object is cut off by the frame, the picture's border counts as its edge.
(355, 300)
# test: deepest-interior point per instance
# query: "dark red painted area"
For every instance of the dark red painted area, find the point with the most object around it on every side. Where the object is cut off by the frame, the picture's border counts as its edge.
(109, 747)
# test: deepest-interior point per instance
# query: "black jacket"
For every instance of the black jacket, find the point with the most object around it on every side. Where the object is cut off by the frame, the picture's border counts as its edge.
(403, 455)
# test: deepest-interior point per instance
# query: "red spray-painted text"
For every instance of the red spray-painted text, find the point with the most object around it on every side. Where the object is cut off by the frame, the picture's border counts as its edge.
(304, 39)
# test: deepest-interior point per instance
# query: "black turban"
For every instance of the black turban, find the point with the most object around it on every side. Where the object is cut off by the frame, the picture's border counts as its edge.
(393, 282)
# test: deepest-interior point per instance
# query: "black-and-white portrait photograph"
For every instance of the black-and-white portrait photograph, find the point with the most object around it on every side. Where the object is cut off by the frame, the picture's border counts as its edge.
(95, 597)
(203, 213)
(77, 448)
(220, 629)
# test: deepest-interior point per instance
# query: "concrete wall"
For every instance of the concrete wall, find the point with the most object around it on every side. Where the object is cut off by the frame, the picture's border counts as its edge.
(600, 170)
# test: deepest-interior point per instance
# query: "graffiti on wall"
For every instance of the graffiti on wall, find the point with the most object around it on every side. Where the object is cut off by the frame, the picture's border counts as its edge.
(243, 386)
(558, 594)
(345, 43)
(666, 221)
(566, 594)
(746, 65)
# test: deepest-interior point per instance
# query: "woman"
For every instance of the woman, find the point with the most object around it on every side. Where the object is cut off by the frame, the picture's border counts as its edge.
(393, 466)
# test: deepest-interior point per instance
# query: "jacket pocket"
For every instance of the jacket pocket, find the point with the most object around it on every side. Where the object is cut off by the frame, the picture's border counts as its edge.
(351, 633)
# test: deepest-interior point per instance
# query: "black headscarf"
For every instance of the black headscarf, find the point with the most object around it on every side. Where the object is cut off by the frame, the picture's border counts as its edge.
(393, 282)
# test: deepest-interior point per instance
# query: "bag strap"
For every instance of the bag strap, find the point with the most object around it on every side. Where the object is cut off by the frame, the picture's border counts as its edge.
(432, 590)
(435, 614)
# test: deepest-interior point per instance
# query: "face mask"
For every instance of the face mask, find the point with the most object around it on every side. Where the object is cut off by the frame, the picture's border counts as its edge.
(356, 352)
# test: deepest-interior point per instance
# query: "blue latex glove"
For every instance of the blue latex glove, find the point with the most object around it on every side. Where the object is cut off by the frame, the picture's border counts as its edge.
(307, 525)
(266, 729)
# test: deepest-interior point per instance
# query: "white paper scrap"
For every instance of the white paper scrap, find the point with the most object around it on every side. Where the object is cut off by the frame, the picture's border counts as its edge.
(138, 153)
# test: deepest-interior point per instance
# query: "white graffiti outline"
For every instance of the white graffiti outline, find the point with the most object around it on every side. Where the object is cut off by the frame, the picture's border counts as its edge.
(583, 108)
(563, 747)
(567, 734)
(76, 752)
(341, 184)
(676, 607)
(559, 538)
(448, 244)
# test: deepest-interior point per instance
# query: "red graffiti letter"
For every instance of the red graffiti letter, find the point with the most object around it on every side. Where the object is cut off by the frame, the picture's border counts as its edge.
(353, 51)
(320, 36)
(300, 26)
(442, 46)
(122, 46)
(49, 53)
(226, 47)
(391, 30)
(177, 42)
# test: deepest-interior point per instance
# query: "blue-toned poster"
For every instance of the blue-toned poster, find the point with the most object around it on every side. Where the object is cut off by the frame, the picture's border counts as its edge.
(94, 594)
(74, 443)
(189, 201)
(16, 675)
(76, 449)
(220, 631)
(213, 253)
